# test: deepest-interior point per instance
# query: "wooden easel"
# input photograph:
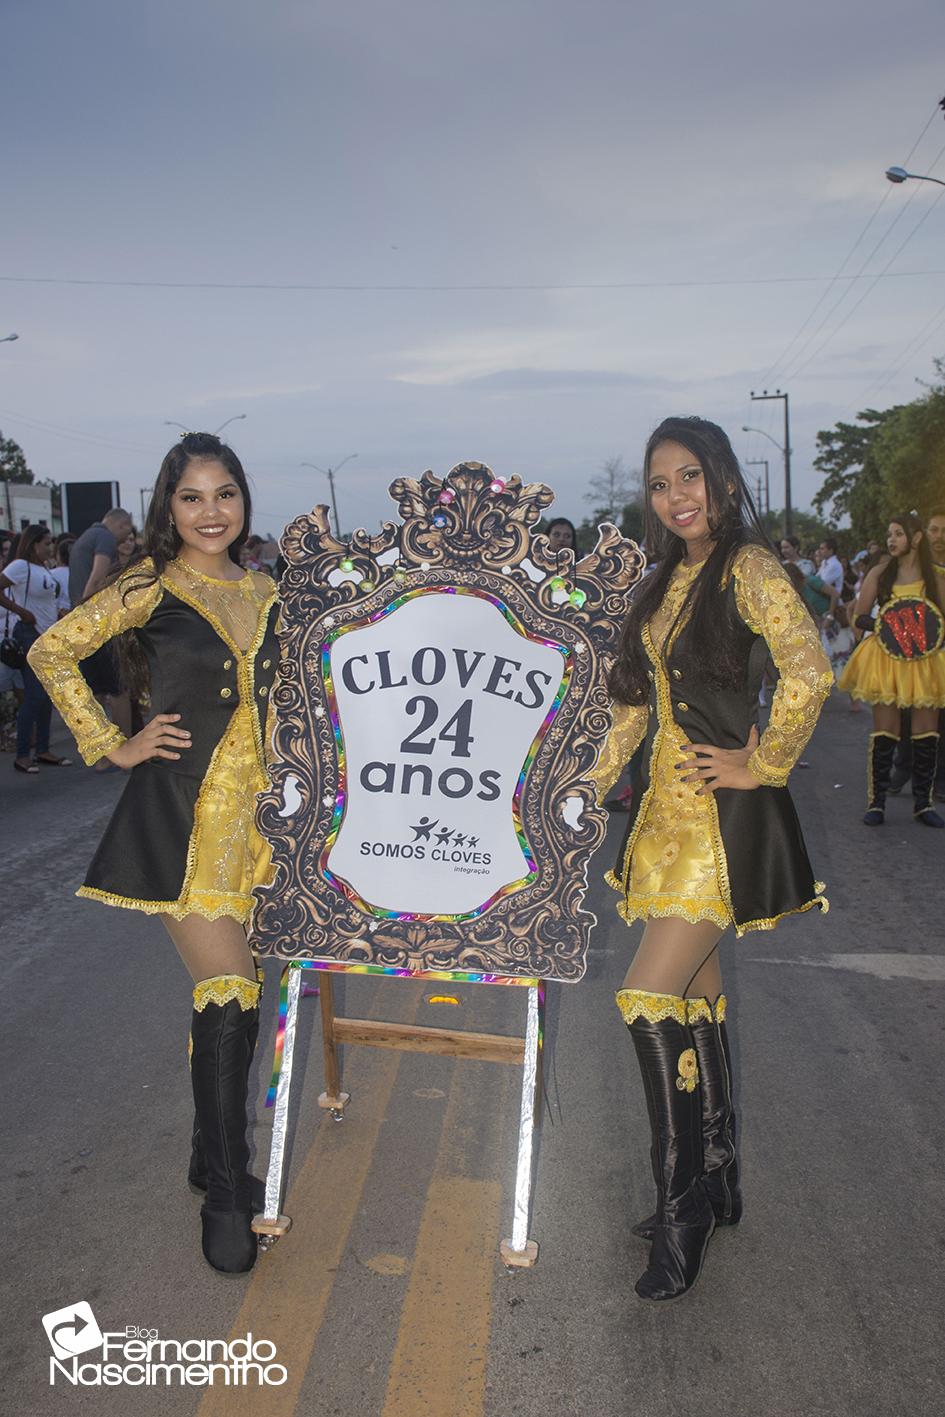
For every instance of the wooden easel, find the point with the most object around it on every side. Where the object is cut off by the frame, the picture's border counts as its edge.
(518, 1250)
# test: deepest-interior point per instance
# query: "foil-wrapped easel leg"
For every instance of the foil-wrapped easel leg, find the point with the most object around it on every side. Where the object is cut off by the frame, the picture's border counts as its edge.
(519, 1250)
(272, 1223)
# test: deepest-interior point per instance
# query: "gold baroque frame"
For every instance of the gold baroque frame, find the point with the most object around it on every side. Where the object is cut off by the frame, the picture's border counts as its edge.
(468, 529)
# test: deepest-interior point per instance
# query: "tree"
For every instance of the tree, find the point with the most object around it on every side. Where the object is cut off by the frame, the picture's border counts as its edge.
(889, 462)
(612, 489)
(853, 479)
(13, 466)
(809, 529)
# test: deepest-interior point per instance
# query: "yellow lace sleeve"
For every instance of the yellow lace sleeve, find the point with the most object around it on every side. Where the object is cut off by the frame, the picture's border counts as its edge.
(622, 741)
(56, 655)
(769, 605)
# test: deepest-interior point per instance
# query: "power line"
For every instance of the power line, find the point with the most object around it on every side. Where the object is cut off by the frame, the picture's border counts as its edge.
(74, 433)
(769, 377)
(871, 287)
(798, 358)
(912, 348)
(423, 289)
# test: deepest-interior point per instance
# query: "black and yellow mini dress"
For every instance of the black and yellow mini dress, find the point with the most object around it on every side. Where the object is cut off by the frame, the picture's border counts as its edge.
(909, 674)
(183, 836)
(734, 857)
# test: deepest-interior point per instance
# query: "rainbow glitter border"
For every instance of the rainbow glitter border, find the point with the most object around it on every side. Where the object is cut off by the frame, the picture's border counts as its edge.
(342, 886)
(337, 966)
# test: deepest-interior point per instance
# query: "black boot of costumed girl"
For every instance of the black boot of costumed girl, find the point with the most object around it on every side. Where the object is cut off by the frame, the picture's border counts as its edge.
(879, 763)
(224, 1026)
(924, 757)
(684, 1217)
(719, 1154)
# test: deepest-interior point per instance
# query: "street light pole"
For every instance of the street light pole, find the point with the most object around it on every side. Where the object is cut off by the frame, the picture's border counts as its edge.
(899, 174)
(786, 450)
(329, 472)
(763, 462)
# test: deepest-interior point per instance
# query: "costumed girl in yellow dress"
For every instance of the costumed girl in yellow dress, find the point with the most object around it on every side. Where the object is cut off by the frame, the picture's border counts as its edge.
(198, 635)
(901, 664)
(714, 840)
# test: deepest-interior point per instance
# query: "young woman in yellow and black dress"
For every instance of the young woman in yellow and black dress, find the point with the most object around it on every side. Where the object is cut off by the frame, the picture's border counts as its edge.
(896, 671)
(714, 840)
(201, 633)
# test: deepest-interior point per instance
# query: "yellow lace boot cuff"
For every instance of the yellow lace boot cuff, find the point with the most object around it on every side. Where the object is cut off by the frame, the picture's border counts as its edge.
(636, 1003)
(698, 1010)
(224, 987)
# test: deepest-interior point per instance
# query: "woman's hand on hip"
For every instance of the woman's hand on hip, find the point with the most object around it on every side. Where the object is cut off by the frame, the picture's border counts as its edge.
(158, 739)
(719, 767)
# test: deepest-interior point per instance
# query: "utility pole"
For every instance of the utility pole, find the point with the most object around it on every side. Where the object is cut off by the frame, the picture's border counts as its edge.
(329, 472)
(762, 462)
(788, 509)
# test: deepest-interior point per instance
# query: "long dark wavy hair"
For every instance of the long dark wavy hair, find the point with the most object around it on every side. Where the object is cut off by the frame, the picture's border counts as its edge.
(734, 523)
(25, 543)
(910, 524)
(161, 543)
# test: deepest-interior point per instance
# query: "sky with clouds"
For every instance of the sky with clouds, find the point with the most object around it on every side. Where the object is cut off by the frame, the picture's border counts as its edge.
(518, 232)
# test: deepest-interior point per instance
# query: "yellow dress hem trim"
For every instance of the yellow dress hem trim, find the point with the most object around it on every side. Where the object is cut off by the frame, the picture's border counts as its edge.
(649, 908)
(237, 906)
(867, 698)
(820, 901)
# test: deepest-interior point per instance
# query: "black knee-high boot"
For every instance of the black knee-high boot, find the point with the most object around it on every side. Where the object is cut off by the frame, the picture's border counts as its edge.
(197, 1170)
(684, 1218)
(878, 768)
(924, 757)
(719, 1154)
(225, 1020)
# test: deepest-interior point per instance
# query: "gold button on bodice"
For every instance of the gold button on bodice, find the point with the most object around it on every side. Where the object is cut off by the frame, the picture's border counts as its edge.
(683, 708)
(677, 673)
(263, 691)
(225, 693)
(267, 663)
(228, 664)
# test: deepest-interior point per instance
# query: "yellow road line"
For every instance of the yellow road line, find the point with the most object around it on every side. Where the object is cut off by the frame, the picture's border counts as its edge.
(439, 1364)
(290, 1287)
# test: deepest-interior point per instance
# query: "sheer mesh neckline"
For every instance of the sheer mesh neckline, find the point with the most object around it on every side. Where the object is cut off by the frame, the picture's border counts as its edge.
(180, 564)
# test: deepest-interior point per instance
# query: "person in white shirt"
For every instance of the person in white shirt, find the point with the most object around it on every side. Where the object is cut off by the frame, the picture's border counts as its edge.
(60, 572)
(30, 592)
(831, 570)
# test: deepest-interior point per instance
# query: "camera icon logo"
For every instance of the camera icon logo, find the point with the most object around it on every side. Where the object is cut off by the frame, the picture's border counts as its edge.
(72, 1330)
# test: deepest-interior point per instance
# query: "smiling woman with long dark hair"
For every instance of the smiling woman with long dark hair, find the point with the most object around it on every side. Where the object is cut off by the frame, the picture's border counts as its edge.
(196, 636)
(714, 839)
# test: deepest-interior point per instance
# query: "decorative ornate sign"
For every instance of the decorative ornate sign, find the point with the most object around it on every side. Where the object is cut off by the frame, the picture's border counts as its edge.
(442, 691)
(910, 628)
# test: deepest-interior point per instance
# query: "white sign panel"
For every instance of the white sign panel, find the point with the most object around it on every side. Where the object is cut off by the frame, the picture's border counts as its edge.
(440, 703)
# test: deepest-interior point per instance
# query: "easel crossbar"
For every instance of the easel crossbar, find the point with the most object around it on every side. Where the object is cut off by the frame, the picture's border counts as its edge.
(417, 1038)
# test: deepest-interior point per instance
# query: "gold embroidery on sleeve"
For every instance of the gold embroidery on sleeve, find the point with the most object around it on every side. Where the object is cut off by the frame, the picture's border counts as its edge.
(622, 741)
(56, 655)
(771, 607)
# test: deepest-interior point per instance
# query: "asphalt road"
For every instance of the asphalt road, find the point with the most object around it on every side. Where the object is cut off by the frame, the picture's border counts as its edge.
(388, 1296)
